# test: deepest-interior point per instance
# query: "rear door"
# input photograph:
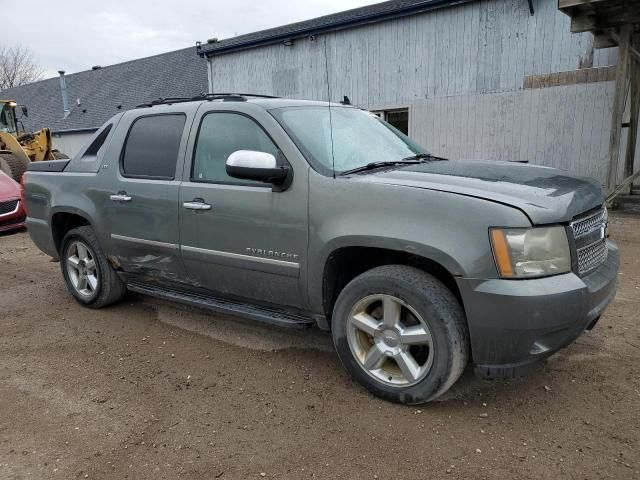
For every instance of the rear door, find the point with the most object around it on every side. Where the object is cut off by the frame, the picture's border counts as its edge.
(241, 238)
(141, 192)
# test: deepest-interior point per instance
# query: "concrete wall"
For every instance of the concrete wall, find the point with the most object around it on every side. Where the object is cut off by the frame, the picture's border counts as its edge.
(462, 71)
(70, 143)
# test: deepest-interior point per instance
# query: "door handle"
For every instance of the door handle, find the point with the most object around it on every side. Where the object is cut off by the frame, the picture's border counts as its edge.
(196, 204)
(120, 197)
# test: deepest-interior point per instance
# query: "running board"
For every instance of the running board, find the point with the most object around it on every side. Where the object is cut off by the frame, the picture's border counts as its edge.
(261, 314)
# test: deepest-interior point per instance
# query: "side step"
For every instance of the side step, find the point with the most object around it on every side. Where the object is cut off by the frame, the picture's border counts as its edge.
(261, 314)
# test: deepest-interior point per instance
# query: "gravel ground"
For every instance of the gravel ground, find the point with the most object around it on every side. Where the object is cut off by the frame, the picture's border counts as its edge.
(148, 389)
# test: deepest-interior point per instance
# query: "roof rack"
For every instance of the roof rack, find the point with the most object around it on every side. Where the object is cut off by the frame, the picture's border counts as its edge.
(227, 97)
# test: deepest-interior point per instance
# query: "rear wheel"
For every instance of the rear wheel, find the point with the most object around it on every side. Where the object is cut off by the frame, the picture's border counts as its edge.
(90, 278)
(12, 165)
(401, 333)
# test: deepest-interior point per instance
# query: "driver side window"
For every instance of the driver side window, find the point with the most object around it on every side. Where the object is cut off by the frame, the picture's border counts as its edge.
(219, 136)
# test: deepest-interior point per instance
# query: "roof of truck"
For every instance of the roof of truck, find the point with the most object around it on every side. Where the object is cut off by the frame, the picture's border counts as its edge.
(266, 102)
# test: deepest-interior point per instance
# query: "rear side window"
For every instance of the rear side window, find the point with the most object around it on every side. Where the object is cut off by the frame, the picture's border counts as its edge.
(97, 144)
(151, 148)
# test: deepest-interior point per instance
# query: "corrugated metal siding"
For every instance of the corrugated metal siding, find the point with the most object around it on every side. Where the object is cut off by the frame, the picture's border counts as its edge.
(481, 47)
(462, 70)
(70, 143)
(565, 127)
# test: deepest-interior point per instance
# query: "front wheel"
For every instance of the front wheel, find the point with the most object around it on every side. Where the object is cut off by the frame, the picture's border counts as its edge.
(401, 333)
(88, 275)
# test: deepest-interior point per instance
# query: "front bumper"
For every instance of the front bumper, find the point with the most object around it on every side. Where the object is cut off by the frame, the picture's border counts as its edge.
(14, 220)
(514, 324)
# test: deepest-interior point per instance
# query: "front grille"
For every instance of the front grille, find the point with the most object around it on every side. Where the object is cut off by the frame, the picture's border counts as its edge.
(587, 225)
(592, 256)
(590, 240)
(8, 207)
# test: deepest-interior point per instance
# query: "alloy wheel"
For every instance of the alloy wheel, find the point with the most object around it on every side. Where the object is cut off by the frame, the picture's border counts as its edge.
(82, 269)
(390, 340)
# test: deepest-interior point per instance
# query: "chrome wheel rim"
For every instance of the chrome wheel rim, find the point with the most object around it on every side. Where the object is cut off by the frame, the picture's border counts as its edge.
(82, 270)
(390, 341)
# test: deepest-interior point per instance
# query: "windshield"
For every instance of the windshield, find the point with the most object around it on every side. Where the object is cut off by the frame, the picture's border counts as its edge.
(359, 137)
(7, 123)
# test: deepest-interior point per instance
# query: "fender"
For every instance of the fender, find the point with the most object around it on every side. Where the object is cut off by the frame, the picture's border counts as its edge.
(316, 276)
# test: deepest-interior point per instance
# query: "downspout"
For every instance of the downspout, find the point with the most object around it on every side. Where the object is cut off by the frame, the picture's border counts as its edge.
(63, 90)
(210, 73)
(209, 61)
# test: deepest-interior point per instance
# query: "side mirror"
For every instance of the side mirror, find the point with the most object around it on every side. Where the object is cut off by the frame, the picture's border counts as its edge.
(256, 166)
(25, 112)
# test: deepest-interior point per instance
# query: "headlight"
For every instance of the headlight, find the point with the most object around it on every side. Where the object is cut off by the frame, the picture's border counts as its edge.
(530, 252)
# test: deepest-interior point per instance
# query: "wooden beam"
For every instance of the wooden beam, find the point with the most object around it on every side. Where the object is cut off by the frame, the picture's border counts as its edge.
(619, 100)
(603, 40)
(625, 183)
(614, 17)
(576, 3)
(633, 50)
(632, 132)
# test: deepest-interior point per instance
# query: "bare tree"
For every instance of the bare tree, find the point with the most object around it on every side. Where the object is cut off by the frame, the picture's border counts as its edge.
(17, 67)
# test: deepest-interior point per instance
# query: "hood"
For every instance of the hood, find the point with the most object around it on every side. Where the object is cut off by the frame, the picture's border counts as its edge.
(545, 195)
(9, 188)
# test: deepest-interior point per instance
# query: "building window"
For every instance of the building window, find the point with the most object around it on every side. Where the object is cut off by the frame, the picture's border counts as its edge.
(397, 118)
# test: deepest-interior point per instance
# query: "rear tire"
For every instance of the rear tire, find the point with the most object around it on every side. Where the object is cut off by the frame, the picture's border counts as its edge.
(401, 333)
(12, 165)
(89, 276)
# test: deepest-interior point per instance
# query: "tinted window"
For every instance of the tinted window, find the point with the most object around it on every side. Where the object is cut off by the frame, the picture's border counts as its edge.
(152, 146)
(220, 135)
(97, 144)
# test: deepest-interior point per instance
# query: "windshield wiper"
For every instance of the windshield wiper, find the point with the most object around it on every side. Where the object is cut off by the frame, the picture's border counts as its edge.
(373, 165)
(413, 159)
(424, 156)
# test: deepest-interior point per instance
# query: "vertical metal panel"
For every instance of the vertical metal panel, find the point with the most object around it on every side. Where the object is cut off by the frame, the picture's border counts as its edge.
(462, 71)
(567, 127)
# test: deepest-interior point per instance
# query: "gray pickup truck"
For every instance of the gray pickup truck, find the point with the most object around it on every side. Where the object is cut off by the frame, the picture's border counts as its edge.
(301, 213)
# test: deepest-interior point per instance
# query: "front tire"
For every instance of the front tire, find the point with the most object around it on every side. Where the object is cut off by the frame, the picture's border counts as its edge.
(401, 333)
(90, 278)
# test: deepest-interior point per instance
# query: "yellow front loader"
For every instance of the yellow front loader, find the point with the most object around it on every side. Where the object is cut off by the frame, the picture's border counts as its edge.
(19, 148)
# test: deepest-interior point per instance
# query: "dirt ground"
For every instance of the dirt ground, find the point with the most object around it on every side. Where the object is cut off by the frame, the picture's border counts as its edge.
(153, 390)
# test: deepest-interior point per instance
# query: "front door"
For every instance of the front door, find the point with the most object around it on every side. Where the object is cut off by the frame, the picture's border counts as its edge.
(239, 238)
(141, 197)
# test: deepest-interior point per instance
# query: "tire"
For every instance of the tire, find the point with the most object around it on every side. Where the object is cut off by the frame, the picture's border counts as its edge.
(106, 288)
(410, 361)
(16, 166)
(58, 155)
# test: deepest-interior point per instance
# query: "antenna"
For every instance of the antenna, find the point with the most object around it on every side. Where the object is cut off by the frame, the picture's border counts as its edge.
(326, 66)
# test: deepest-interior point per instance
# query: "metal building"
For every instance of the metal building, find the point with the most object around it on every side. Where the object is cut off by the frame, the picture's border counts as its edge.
(494, 79)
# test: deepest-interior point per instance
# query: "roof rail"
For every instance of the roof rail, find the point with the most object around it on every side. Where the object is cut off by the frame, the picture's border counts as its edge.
(238, 97)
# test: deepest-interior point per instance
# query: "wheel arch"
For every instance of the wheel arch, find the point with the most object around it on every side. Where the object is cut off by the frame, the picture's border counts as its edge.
(64, 220)
(346, 262)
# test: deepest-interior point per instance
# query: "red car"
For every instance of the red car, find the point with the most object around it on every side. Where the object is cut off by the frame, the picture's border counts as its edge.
(12, 213)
